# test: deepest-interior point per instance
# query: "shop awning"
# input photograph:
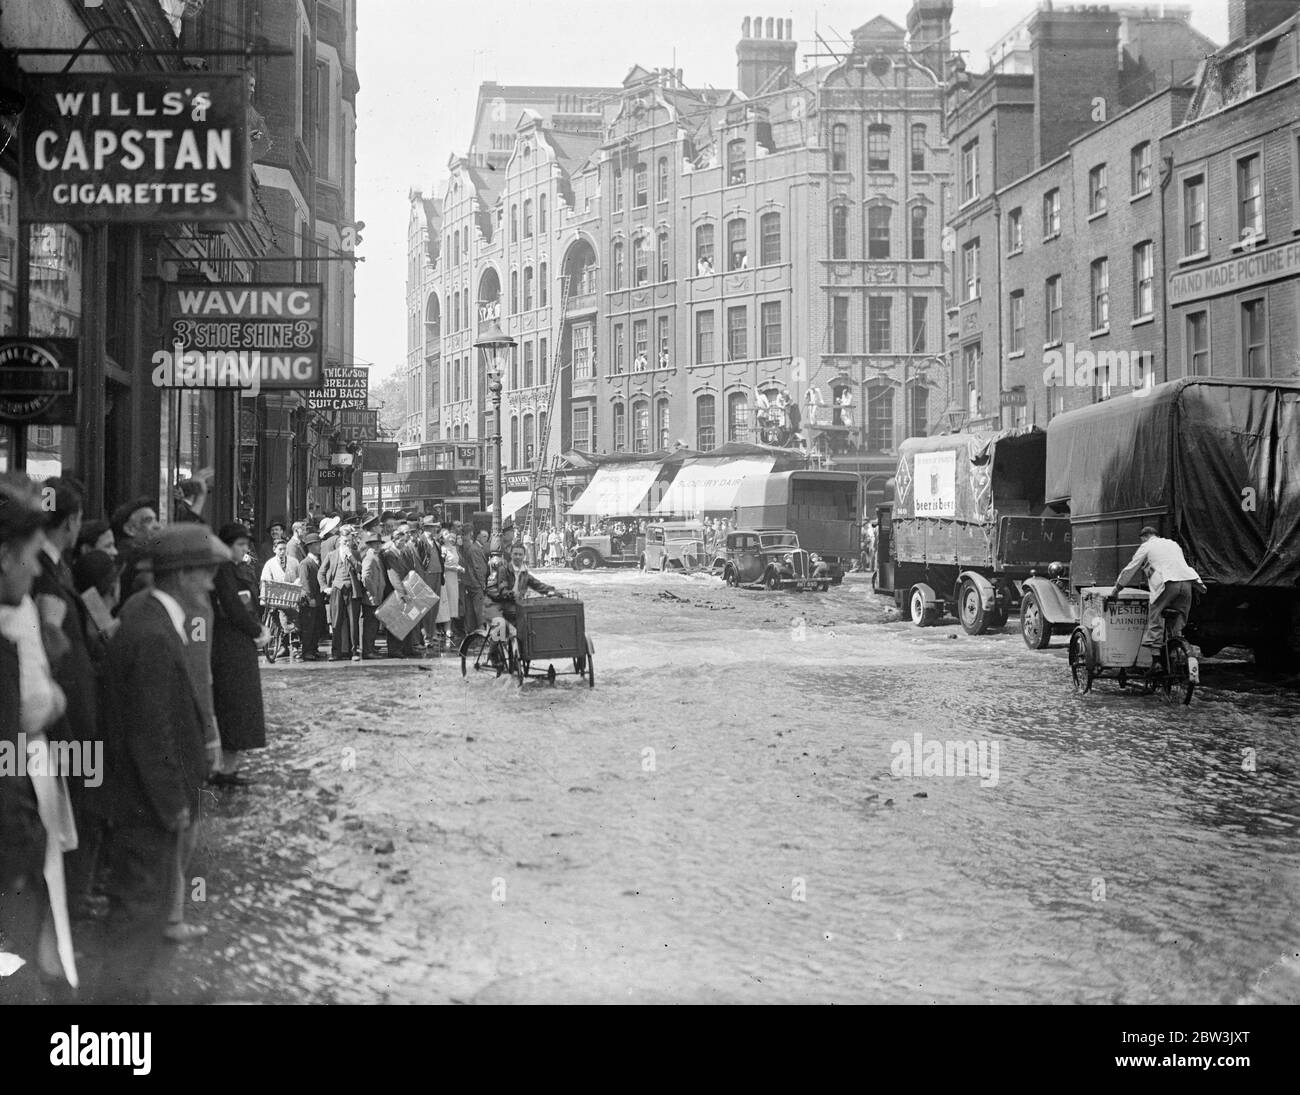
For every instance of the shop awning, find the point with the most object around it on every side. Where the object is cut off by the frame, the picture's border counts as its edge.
(617, 490)
(710, 486)
(513, 501)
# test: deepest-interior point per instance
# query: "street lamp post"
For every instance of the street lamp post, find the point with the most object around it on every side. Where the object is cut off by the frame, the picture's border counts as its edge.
(494, 343)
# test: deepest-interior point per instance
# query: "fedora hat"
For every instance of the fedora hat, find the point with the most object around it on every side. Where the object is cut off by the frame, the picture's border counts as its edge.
(329, 525)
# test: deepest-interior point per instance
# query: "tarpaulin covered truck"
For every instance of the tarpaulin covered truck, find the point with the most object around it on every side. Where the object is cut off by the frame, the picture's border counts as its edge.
(1211, 463)
(967, 527)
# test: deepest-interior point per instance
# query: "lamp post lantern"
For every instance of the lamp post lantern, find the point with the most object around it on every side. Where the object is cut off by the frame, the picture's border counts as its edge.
(494, 344)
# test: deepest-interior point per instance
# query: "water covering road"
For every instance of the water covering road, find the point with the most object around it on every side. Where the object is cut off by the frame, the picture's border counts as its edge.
(722, 819)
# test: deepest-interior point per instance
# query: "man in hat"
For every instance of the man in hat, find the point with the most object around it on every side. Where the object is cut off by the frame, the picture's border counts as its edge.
(429, 548)
(312, 615)
(157, 761)
(372, 593)
(396, 557)
(132, 523)
(475, 579)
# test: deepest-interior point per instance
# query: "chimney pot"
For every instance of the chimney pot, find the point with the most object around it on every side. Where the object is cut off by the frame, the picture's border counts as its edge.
(758, 26)
(769, 26)
(744, 28)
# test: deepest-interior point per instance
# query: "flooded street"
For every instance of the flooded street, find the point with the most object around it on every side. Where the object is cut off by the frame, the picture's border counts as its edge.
(723, 818)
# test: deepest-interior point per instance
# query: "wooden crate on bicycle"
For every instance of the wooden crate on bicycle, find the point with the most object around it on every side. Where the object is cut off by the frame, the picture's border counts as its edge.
(550, 627)
(283, 595)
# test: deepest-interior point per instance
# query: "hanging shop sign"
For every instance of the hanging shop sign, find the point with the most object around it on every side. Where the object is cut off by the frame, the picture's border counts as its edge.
(358, 425)
(342, 388)
(333, 477)
(242, 335)
(380, 456)
(110, 148)
(37, 381)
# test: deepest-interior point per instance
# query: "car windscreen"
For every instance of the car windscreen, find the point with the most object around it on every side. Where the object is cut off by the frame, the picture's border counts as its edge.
(787, 541)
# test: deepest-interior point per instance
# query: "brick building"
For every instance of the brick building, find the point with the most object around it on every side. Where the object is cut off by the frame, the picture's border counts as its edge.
(1056, 240)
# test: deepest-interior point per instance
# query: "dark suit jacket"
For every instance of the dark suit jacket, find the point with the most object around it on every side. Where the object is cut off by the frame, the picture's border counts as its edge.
(74, 670)
(22, 836)
(157, 759)
(309, 576)
(294, 549)
(476, 568)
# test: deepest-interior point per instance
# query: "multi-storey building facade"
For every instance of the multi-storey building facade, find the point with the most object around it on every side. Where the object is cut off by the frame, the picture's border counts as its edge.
(1232, 206)
(104, 285)
(707, 267)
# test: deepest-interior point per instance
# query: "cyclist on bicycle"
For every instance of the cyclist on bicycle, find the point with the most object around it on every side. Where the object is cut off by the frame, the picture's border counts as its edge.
(511, 581)
(1170, 581)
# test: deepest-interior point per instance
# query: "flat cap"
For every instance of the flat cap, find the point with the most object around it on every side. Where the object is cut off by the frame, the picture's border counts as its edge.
(188, 544)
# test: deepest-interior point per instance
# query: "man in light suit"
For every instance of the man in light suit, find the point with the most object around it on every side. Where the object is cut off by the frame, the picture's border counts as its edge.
(312, 617)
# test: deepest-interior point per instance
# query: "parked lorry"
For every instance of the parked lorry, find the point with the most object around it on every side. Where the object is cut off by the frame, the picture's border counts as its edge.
(820, 506)
(1211, 463)
(967, 527)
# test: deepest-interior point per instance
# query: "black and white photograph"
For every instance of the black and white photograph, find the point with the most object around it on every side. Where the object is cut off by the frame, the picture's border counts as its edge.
(651, 503)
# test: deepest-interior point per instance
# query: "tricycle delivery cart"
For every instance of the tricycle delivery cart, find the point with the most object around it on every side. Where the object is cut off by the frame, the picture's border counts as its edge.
(547, 630)
(1108, 643)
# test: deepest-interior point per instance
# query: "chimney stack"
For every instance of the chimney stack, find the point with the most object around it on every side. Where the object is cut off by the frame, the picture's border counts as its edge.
(928, 25)
(760, 56)
(1250, 18)
(1076, 61)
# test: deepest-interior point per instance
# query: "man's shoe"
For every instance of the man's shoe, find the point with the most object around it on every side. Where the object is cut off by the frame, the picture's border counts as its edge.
(184, 933)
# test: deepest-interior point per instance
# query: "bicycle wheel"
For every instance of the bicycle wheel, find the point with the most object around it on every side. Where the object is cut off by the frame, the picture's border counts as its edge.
(472, 651)
(1177, 685)
(515, 665)
(1081, 671)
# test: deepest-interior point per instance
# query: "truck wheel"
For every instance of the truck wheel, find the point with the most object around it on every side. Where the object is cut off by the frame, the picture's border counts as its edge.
(772, 581)
(1034, 628)
(586, 559)
(970, 607)
(922, 615)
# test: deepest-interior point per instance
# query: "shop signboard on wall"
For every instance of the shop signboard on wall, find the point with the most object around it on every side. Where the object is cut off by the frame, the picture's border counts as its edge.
(132, 147)
(242, 335)
(37, 381)
(380, 456)
(358, 425)
(333, 477)
(343, 387)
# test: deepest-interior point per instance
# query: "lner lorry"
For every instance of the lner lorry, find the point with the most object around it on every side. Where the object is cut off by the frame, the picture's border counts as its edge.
(967, 527)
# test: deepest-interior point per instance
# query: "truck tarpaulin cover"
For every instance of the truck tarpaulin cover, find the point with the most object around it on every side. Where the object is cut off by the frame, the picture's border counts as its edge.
(1221, 456)
(951, 476)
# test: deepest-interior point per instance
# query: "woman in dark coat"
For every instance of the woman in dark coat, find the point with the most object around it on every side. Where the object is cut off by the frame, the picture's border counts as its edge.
(237, 635)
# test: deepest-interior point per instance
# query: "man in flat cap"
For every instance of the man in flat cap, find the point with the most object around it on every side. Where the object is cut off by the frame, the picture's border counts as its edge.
(312, 617)
(157, 760)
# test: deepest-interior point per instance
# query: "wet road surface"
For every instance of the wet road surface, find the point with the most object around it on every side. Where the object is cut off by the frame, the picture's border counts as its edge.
(732, 815)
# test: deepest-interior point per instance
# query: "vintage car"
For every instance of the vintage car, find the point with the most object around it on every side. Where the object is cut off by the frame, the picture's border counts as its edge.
(771, 558)
(674, 545)
(619, 545)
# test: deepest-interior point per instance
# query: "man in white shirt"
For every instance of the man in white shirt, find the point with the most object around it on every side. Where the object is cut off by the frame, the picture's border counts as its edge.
(1169, 579)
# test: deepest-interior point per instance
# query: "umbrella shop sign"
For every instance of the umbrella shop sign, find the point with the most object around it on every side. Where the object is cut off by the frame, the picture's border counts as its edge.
(36, 381)
(242, 335)
(344, 388)
(103, 148)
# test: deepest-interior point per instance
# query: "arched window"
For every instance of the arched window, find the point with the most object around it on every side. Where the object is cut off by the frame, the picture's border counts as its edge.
(620, 427)
(455, 251)
(528, 288)
(541, 214)
(736, 161)
(541, 429)
(514, 291)
(769, 239)
(514, 441)
(706, 433)
(640, 263)
(640, 426)
(618, 265)
(455, 311)
(663, 424)
(839, 147)
(528, 364)
(528, 440)
(663, 264)
(877, 148)
(880, 418)
(704, 249)
(878, 232)
(738, 416)
(542, 362)
(542, 294)
(918, 231)
(514, 367)
(840, 231)
(528, 218)
(514, 223)
(640, 186)
(661, 183)
(737, 245)
(918, 147)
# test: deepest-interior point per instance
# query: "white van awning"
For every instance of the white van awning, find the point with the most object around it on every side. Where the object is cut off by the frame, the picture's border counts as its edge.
(617, 490)
(710, 486)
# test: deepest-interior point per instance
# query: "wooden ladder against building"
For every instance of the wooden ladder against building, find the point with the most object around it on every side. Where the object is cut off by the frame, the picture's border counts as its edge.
(539, 459)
